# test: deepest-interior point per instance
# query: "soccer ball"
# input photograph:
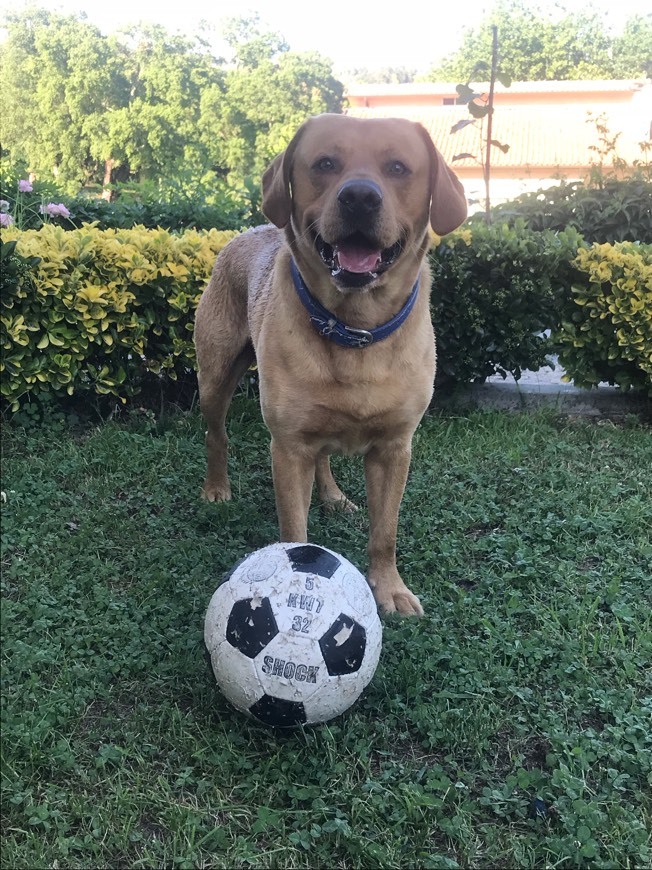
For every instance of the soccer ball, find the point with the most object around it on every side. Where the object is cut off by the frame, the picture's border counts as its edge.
(293, 634)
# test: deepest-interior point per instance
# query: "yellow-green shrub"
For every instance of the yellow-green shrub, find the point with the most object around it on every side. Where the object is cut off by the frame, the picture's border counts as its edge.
(606, 330)
(101, 308)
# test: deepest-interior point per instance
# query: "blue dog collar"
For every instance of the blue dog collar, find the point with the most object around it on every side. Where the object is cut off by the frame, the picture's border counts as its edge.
(330, 327)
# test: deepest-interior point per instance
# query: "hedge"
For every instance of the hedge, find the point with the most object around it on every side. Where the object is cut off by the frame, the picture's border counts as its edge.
(495, 292)
(93, 311)
(618, 210)
(100, 309)
(606, 328)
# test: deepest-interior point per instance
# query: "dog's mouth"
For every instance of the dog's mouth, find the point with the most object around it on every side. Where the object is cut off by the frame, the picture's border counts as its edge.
(355, 260)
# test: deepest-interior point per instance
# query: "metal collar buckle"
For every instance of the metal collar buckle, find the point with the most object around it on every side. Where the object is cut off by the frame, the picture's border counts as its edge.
(362, 336)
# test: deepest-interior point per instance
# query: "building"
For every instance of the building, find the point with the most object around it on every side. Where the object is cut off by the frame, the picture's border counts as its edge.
(550, 128)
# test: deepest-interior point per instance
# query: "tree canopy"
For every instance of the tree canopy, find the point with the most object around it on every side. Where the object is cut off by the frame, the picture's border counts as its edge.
(146, 104)
(540, 45)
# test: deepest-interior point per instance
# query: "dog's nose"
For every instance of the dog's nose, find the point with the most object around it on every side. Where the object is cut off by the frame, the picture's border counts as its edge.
(360, 198)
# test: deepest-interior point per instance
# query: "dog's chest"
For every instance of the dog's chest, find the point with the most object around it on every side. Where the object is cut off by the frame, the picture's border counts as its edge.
(342, 402)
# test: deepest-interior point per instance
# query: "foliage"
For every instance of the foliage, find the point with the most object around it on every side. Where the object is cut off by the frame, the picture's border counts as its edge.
(174, 215)
(104, 310)
(495, 291)
(539, 45)
(606, 331)
(58, 75)
(507, 728)
(633, 50)
(17, 271)
(616, 211)
(268, 93)
(145, 104)
(172, 206)
(390, 75)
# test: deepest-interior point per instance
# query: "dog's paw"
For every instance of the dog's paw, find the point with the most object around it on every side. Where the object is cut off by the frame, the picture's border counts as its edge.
(406, 604)
(211, 492)
(340, 505)
(397, 599)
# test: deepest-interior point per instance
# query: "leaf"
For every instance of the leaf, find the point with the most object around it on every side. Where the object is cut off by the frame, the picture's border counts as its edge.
(464, 156)
(461, 125)
(7, 249)
(504, 78)
(503, 148)
(465, 93)
(479, 111)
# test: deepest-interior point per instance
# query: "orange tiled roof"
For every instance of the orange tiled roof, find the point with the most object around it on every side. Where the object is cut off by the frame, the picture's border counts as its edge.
(541, 137)
(427, 89)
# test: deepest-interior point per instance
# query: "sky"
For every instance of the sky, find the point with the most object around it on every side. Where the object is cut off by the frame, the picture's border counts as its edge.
(353, 33)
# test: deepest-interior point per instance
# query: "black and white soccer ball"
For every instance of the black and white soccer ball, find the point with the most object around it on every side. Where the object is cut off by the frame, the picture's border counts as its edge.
(293, 634)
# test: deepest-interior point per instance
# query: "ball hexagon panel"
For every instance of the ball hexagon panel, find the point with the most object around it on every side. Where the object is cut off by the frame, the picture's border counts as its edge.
(303, 604)
(251, 625)
(374, 629)
(334, 698)
(359, 597)
(291, 668)
(217, 616)
(260, 566)
(236, 676)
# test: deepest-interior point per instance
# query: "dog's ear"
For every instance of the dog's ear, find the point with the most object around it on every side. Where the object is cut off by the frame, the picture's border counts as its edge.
(277, 185)
(448, 201)
(277, 201)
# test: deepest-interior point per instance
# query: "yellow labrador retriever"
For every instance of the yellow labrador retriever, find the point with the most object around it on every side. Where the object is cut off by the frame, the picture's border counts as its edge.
(332, 302)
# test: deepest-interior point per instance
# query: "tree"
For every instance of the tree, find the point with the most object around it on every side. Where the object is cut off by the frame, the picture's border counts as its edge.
(632, 51)
(59, 74)
(268, 93)
(536, 47)
(147, 105)
(156, 132)
(389, 75)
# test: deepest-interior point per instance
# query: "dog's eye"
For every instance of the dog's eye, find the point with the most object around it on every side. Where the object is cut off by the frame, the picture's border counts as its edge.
(325, 164)
(396, 168)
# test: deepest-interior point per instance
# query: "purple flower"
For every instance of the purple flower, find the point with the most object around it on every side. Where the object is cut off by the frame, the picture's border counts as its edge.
(55, 209)
(6, 220)
(25, 186)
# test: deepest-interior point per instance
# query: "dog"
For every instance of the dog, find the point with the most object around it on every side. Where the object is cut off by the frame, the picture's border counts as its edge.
(332, 301)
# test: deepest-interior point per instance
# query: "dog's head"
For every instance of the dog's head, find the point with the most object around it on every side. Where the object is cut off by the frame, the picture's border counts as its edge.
(357, 195)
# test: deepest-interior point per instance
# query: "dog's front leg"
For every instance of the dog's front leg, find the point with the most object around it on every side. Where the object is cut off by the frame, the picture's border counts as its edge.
(386, 470)
(293, 471)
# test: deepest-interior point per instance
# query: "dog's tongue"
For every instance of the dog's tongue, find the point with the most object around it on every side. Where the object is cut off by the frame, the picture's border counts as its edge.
(354, 258)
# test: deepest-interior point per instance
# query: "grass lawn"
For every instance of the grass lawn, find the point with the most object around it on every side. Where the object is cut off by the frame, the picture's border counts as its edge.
(511, 727)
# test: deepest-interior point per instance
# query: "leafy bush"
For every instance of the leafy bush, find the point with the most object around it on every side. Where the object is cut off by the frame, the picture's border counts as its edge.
(101, 309)
(616, 211)
(17, 271)
(606, 329)
(29, 204)
(105, 312)
(495, 291)
(229, 213)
